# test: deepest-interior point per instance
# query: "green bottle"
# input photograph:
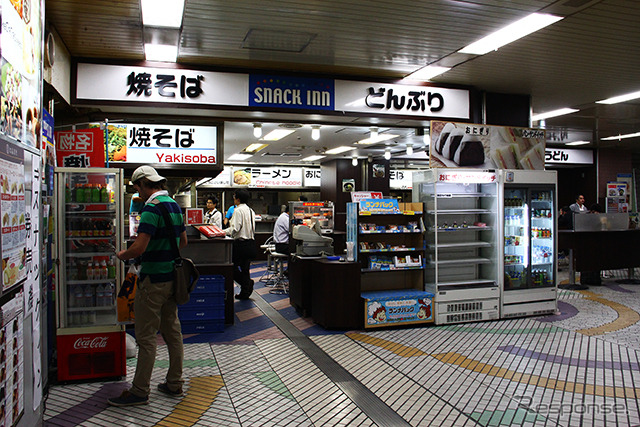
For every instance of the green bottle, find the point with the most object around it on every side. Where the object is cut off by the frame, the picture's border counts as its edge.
(87, 193)
(95, 193)
(79, 193)
(104, 194)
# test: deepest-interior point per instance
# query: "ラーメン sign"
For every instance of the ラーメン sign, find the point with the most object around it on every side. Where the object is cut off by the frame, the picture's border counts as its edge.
(162, 144)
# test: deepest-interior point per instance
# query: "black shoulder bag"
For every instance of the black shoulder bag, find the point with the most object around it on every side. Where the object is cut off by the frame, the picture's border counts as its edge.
(186, 274)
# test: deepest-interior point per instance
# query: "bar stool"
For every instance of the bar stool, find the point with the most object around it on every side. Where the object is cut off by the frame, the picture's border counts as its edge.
(269, 275)
(281, 283)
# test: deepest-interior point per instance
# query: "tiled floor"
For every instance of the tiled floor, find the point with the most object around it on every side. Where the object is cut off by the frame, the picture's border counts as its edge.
(580, 367)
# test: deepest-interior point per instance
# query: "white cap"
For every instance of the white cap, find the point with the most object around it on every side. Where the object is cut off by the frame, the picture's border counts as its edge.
(146, 172)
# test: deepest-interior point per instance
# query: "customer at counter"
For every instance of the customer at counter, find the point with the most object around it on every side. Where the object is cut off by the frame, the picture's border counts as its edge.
(213, 215)
(578, 206)
(242, 228)
(565, 220)
(281, 232)
(229, 214)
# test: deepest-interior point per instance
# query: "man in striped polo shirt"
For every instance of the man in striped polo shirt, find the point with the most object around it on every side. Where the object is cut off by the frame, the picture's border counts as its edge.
(155, 305)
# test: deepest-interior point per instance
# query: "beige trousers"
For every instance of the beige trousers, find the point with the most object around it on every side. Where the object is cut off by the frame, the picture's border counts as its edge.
(156, 310)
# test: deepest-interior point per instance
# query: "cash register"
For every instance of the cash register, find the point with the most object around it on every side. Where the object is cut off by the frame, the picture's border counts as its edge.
(310, 241)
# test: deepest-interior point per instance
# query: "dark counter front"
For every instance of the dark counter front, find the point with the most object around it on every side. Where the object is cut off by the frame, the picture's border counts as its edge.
(213, 257)
(602, 250)
(335, 294)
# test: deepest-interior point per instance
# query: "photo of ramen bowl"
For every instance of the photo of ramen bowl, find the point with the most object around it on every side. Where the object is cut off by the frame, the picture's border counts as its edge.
(242, 177)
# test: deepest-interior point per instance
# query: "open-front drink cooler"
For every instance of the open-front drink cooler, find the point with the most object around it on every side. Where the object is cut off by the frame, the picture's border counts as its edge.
(90, 342)
(462, 237)
(529, 222)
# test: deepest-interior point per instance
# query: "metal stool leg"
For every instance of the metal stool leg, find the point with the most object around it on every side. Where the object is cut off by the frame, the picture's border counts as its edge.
(282, 283)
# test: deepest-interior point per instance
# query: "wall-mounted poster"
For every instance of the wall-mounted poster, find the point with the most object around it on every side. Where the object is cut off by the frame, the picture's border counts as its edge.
(468, 145)
(21, 72)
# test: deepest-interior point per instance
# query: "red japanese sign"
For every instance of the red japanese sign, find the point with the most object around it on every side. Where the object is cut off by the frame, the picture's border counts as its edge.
(194, 216)
(80, 149)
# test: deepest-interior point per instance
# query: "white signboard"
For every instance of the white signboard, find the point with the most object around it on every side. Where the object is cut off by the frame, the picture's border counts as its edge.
(568, 156)
(379, 98)
(311, 177)
(260, 177)
(401, 179)
(169, 144)
(222, 180)
(165, 85)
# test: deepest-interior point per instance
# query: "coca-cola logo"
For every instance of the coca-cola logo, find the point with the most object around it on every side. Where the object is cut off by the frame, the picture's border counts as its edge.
(88, 342)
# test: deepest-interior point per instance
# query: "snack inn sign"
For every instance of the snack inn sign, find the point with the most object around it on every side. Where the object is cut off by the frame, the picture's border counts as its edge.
(131, 84)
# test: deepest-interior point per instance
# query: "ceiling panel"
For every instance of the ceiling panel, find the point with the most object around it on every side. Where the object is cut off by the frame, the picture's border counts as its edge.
(592, 54)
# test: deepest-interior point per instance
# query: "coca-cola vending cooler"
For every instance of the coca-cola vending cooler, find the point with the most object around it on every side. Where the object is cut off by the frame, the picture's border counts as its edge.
(89, 232)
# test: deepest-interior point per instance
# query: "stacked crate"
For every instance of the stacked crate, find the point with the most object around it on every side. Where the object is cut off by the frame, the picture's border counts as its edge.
(204, 312)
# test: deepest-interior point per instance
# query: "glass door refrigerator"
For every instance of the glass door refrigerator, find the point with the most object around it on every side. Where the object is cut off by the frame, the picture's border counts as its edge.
(89, 215)
(529, 244)
(462, 236)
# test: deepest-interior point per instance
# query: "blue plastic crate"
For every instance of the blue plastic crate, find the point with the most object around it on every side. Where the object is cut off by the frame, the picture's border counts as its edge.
(202, 313)
(204, 300)
(200, 327)
(209, 284)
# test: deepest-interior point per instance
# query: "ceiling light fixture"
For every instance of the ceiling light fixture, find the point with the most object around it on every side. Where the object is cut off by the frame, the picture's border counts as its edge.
(619, 137)
(239, 156)
(620, 98)
(374, 133)
(427, 73)
(255, 147)
(510, 33)
(278, 134)
(409, 149)
(160, 52)
(379, 138)
(315, 133)
(577, 143)
(387, 154)
(257, 130)
(426, 138)
(162, 13)
(554, 113)
(339, 150)
(354, 161)
(312, 158)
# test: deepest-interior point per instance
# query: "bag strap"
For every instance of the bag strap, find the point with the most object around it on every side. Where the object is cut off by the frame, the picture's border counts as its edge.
(172, 232)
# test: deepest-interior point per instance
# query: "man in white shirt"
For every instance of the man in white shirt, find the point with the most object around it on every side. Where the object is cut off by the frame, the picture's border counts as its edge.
(212, 215)
(281, 232)
(578, 206)
(242, 229)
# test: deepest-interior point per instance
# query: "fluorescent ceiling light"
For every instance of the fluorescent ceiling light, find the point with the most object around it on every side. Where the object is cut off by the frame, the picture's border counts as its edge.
(354, 161)
(255, 147)
(339, 150)
(621, 98)
(618, 137)
(160, 52)
(427, 73)
(577, 143)
(379, 138)
(554, 113)
(162, 13)
(510, 33)
(239, 156)
(277, 134)
(312, 158)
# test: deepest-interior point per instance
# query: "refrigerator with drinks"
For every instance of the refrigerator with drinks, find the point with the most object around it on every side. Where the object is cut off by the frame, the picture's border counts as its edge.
(89, 215)
(528, 216)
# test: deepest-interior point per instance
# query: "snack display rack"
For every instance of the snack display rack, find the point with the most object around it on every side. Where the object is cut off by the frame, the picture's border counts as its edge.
(390, 249)
(462, 238)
